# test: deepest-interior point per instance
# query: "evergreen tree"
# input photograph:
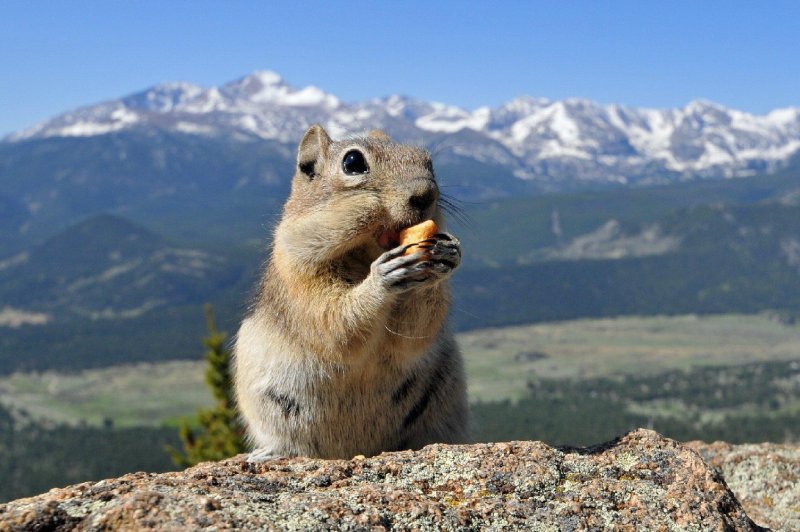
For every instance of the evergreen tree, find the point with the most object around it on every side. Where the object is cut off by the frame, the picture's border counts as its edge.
(220, 433)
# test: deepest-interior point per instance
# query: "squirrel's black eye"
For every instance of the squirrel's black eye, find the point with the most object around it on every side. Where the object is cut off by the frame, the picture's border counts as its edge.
(354, 163)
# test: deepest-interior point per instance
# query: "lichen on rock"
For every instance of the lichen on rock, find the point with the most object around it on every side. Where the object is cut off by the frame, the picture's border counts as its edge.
(765, 478)
(638, 481)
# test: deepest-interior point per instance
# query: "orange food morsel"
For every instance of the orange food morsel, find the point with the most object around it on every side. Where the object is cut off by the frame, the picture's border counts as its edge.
(417, 233)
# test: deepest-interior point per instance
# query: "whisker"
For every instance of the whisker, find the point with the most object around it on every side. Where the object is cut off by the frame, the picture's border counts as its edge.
(436, 148)
(403, 335)
(465, 202)
(451, 207)
(470, 314)
(461, 220)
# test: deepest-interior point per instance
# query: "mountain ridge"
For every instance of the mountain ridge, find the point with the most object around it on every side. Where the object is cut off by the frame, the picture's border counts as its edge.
(535, 138)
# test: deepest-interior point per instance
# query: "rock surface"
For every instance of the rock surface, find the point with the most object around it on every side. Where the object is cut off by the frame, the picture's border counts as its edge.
(640, 481)
(764, 477)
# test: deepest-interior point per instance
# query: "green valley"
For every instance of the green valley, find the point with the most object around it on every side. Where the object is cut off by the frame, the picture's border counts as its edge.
(732, 377)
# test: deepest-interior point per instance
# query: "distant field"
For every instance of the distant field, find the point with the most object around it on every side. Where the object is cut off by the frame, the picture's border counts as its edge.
(135, 395)
(500, 362)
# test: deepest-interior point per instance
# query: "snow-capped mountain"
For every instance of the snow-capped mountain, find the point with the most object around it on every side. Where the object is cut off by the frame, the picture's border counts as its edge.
(564, 140)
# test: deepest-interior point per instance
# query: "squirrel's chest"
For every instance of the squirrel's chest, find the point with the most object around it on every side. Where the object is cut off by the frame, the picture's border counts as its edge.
(369, 381)
(360, 392)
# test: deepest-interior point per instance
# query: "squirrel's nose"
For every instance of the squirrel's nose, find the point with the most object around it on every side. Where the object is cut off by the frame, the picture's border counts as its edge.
(421, 201)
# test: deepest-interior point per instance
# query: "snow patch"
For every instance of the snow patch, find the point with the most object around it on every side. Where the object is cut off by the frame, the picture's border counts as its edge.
(449, 119)
(309, 96)
(553, 149)
(395, 105)
(204, 102)
(193, 128)
(86, 129)
(16, 260)
(124, 116)
(267, 77)
(15, 318)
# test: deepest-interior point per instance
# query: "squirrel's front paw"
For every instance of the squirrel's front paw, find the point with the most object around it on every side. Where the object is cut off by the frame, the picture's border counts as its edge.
(445, 252)
(436, 259)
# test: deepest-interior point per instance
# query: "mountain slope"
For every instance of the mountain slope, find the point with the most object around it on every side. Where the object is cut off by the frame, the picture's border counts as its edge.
(189, 183)
(106, 291)
(702, 259)
(108, 268)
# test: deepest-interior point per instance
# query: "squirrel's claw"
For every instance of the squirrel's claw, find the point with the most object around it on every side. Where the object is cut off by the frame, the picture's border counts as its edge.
(446, 250)
(395, 270)
(437, 258)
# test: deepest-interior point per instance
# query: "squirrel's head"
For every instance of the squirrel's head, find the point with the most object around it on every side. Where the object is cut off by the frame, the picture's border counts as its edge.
(356, 193)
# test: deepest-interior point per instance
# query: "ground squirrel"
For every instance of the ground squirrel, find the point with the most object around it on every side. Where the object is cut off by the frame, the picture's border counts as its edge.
(346, 350)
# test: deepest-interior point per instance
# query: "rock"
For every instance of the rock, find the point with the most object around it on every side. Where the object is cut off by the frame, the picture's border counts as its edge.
(641, 481)
(765, 478)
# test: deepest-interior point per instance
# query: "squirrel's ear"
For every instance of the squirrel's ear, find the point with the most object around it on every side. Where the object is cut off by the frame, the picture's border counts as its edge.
(312, 150)
(378, 134)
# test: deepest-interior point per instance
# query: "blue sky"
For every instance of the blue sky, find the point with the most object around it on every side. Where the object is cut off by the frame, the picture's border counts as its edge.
(57, 55)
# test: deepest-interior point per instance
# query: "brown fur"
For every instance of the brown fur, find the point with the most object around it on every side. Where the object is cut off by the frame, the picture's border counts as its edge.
(326, 360)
